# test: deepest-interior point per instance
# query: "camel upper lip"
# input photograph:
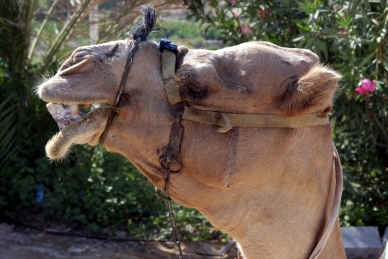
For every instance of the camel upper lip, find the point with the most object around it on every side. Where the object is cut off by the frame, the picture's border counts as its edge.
(62, 89)
(84, 101)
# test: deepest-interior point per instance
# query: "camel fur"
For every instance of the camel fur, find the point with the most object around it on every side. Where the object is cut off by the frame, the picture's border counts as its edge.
(271, 189)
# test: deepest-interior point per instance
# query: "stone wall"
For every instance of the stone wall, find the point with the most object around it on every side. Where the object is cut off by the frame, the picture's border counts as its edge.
(363, 242)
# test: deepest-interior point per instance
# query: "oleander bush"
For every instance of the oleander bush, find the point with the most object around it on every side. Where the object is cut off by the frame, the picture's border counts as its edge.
(350, 36)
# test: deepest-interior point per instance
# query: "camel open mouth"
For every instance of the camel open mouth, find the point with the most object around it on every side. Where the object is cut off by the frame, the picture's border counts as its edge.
(78, 124)
(66, 114)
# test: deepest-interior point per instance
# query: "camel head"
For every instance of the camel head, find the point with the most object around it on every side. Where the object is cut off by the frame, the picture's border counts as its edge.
(255, 77)
(242, 180)
(75, 86)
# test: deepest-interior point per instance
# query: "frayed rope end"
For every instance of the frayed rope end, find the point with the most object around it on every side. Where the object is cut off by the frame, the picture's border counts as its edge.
(145, 25)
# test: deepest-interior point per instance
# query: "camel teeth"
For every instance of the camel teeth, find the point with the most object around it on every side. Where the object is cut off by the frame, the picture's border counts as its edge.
(55, 109)
(74, 109)
(51, 109)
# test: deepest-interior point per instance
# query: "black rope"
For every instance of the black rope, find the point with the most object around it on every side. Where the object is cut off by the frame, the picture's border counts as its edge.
(139, 33)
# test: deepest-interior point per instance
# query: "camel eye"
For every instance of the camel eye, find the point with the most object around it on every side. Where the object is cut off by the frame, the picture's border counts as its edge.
(68, 63)
(196, 91)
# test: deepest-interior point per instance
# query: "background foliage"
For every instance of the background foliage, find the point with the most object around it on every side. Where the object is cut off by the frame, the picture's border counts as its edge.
(350, 36)
(99, 192)
(93, 191)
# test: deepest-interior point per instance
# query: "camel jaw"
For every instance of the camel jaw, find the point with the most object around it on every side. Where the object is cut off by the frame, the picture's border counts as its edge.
(75, 128)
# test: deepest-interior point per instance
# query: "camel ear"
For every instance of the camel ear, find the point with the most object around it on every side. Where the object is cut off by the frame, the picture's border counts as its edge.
(182, 51)
(313, 92)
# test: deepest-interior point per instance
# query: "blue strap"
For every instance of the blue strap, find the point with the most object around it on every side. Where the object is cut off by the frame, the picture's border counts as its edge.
(167, 44)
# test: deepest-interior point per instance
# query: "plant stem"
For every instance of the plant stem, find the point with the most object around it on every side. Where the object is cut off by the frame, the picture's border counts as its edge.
(48, 15)
(65, 32)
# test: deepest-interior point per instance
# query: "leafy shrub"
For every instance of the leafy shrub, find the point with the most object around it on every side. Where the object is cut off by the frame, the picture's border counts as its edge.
(351, 36)
(92, 191)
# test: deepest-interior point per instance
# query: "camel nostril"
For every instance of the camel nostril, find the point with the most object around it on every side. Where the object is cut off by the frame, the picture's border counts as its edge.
(68, 63)
(196, 92)
(78, 56)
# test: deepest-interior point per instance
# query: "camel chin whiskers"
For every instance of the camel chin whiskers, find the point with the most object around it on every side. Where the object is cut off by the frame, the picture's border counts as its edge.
(57, 148)
(39, 80)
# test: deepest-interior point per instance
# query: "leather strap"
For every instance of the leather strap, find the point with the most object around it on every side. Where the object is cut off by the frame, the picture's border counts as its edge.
(169, 51)
(168, 72)
(337, 168)
(229, 120)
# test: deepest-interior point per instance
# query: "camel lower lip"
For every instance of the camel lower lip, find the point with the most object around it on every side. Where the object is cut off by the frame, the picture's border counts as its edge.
(75, 129)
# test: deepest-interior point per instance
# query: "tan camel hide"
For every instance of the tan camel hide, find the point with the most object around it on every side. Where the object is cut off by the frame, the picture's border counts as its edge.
(271, 189)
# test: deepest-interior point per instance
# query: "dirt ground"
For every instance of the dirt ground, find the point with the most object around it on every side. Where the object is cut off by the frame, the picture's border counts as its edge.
(24, 243)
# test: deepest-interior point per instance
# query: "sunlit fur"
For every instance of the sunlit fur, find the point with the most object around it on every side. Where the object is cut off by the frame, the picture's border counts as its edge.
(271, 189)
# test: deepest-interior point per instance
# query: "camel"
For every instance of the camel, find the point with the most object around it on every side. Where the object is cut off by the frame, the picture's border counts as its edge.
(270, 188)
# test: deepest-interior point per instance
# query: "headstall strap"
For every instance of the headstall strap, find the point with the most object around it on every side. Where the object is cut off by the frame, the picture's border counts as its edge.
(227, 121)
(337, 170)
(171, 165)
(169, 161)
